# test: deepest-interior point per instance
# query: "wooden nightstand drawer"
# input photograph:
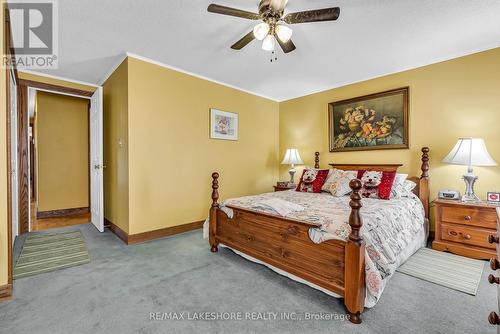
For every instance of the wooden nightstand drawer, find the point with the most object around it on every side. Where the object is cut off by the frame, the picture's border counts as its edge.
(464, 228)
(469, 216)
(466, 235)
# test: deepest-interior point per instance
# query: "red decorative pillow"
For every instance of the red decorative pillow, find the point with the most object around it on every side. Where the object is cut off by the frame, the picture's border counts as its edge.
(312, 180)
(376, 184)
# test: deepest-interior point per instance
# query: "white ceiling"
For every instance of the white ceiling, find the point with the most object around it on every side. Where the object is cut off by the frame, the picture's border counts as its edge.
(371, 38)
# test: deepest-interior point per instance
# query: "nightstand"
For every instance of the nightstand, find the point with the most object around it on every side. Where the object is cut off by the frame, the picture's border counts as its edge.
(464, 228)
(279, 188)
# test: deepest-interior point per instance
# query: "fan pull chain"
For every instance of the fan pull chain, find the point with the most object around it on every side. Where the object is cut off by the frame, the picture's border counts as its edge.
(273, 55)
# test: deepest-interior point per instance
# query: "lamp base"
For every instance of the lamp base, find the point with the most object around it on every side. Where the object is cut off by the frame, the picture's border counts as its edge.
(471, 198)
(469, 195)
(292, 173)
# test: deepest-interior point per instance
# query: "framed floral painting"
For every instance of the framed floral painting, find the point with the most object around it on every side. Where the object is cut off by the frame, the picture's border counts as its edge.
(371, 122)
(223, 125)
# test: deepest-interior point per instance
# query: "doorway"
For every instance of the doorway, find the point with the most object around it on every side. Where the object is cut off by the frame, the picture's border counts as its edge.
(59, 160)
(47, 196)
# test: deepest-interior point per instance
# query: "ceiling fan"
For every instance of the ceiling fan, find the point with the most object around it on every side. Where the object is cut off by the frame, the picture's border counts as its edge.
(274, 28)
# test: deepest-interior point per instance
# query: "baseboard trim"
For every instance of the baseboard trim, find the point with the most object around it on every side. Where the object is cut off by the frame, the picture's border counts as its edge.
(62, 212)
(121, 234)
(6, 292)
(131, 239)
(164, 232)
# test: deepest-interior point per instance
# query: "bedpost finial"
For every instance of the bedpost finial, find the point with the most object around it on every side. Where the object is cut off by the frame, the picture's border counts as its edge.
(355, 202)
(354, 218)
(355, 185)
(425, 162)
(316, 160)
(215, 187)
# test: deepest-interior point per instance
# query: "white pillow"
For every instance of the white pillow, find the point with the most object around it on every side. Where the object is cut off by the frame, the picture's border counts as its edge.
(332, 177)
(341, 186)
(408, 187)
(398, 185)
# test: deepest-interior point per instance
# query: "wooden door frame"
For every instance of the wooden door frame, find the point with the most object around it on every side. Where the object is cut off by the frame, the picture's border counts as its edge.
(23, 135)
(32, 156)
(22, 159)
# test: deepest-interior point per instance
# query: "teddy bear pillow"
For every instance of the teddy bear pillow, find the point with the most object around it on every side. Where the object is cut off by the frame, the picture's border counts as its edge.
(312, 180)
(376, 184)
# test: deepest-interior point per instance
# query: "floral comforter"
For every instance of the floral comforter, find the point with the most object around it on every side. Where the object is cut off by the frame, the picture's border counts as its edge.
(392, 229)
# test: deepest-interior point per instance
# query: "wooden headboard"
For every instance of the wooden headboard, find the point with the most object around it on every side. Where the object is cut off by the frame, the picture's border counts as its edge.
(375, 167)
(422, 181)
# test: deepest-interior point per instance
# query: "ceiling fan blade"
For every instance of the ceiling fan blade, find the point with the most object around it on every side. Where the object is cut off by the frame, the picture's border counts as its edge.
(218, 9)
(244, 41)
(316, 15)
(286, 47)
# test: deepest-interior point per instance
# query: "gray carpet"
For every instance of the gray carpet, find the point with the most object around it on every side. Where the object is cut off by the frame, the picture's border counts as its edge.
(118, 290)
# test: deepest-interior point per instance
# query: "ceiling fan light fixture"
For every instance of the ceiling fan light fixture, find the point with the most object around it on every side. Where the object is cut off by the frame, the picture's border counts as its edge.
(284, 33)
(260, 31)
(269, 43)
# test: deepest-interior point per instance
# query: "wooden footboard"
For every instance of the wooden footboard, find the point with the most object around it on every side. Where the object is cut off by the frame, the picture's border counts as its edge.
(335, 265)
(284, 244)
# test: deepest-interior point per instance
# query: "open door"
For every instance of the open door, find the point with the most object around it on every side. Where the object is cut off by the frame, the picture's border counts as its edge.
(96, 161)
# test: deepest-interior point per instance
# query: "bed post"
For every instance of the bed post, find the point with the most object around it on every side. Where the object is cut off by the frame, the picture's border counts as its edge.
(354, 286)
(424, 181)
(213, 213)
(316, 160)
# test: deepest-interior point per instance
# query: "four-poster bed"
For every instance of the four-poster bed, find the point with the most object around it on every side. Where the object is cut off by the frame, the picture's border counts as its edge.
(335, 265)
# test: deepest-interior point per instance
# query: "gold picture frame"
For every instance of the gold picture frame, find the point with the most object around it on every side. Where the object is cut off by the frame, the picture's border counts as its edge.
(371, 122)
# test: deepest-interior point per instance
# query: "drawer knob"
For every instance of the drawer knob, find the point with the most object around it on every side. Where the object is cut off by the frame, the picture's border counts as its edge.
(494, 264)
(493, 280)
(467, 237)
(467, 217)
(493, 318)
(492, 239)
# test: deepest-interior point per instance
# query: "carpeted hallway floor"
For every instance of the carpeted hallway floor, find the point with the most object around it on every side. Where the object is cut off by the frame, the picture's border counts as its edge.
(122, 285)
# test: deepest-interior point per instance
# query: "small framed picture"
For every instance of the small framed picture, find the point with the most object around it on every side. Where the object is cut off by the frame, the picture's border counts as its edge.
(223, 125)
(493, 197)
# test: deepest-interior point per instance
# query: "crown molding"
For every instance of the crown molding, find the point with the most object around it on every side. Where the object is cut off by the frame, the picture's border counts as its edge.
(113, 68)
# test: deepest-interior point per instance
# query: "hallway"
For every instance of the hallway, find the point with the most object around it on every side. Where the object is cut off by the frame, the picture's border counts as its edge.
(42, 224)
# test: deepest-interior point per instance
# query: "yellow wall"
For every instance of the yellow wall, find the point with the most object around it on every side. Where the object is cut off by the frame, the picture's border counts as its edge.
(171, 156)
(52, 81)
(456, 98)
(62, 138)
(4, 244)
(116, 147)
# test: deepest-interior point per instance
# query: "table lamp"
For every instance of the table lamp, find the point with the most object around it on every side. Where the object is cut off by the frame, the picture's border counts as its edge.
(292, 157)
(470, 152)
